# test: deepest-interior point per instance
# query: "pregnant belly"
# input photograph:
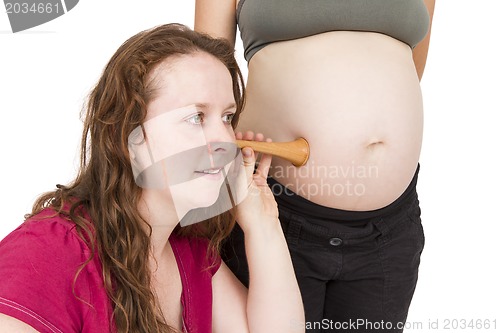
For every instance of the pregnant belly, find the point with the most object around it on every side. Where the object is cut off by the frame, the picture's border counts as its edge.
(356, 98)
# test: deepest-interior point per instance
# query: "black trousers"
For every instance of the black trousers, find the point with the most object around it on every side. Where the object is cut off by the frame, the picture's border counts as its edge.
(355, 275)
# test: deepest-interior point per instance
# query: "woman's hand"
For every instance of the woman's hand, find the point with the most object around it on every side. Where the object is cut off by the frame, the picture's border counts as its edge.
(258, 209)
(274, 303)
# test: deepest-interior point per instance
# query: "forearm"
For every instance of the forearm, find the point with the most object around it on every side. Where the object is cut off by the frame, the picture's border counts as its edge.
(274, 303)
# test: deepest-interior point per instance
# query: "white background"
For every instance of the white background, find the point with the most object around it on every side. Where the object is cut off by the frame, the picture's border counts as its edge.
(47, 71)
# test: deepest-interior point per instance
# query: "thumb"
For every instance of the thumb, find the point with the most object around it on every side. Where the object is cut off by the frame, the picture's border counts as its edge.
(248, 163)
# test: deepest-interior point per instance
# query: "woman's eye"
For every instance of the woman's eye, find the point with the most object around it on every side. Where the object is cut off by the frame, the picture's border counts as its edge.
(196, 119)
(227, 118)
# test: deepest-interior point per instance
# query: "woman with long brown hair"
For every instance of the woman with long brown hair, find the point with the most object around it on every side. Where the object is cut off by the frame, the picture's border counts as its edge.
(106, 252)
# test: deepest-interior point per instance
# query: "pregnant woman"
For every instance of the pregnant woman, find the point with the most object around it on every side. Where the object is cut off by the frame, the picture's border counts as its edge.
(345, 75)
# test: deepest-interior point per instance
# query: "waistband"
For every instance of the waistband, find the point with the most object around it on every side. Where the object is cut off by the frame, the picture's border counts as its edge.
(307, 209)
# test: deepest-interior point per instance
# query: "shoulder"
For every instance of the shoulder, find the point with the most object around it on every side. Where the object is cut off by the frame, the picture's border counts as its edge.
(46, 246)
(46, 233)
(46, 250)
(42, 260)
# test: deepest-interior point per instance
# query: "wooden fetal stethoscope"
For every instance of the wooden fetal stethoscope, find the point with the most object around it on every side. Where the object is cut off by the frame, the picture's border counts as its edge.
(296, 151)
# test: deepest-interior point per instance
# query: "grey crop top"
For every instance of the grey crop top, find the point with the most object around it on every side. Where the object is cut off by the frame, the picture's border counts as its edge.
(262, 22)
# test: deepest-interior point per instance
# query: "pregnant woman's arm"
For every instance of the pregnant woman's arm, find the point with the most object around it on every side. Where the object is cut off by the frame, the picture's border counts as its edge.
(421, 50)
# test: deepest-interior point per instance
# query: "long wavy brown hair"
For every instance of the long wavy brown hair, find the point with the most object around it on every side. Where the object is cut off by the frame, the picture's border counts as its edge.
(104, 187)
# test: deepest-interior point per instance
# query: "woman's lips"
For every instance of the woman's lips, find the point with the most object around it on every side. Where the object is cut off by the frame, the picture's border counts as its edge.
(212, 173)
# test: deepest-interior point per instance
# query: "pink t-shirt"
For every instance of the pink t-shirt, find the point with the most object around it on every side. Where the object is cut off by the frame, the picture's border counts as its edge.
(38, 264)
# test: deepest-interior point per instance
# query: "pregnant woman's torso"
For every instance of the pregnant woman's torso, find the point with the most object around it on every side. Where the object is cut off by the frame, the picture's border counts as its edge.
(355, 96)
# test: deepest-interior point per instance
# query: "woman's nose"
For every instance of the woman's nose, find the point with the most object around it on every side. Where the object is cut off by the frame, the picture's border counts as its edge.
(217, 133)
(217, 147)
(220, 142)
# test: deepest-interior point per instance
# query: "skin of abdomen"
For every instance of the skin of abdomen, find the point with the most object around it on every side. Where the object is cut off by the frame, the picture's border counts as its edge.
(356, 98)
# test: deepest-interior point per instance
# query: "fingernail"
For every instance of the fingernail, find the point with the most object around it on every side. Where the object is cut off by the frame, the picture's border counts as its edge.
(247, 152)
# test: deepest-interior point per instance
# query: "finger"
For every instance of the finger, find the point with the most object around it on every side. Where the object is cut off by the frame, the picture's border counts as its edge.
(264, 166)
(248, 135)
(239, 135)
(259, 137)
(248, 163)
